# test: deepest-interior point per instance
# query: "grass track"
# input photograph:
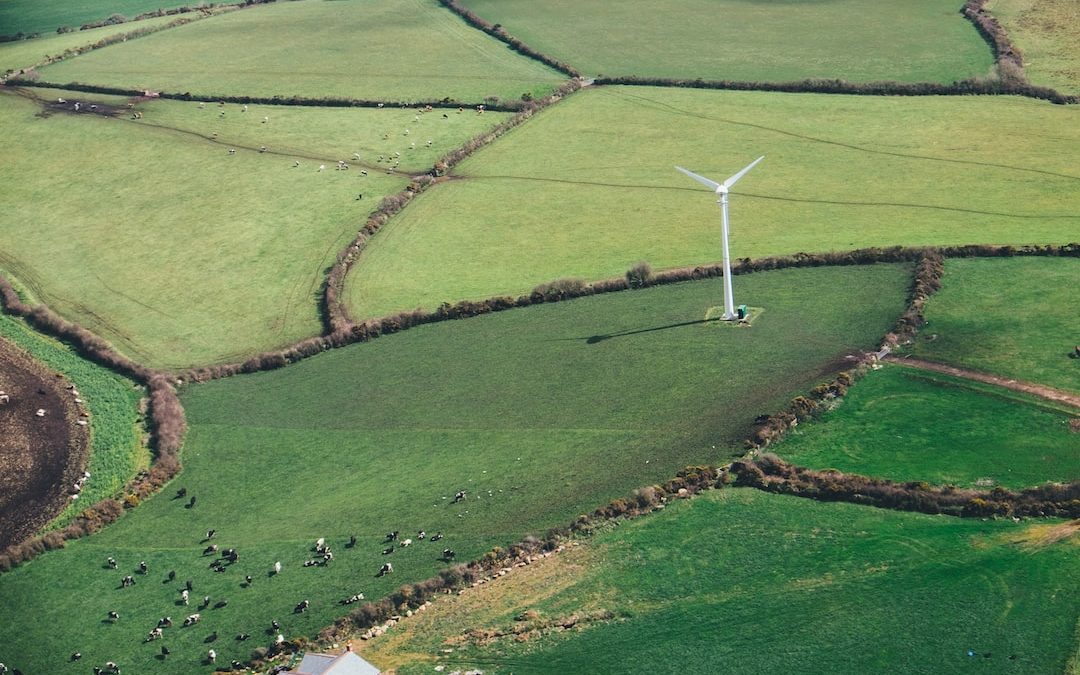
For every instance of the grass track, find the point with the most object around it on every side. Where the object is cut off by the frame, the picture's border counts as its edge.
(517, 408)
(713, 583)
(914, 425)
(1014, 317)
(116, 450)
(588, 187)
(395, 50)
(920, 40)
(143, 246)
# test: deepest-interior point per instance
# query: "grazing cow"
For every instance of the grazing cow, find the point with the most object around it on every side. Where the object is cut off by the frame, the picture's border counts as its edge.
(212, 548)
(164, 651)
(247, 579)
(262, 148)
(391, 536)
(210, 535)
(437, 536)
(310, 563)
(76, 656)
(352, 542)
(154, 635)
(421, 534)
(265, 120)
(192, 619)
(111, 562)
(191, 502)
(460, 496)
(184, 596)
(127, 581)
(448, 554)
(387, 568)
(232, 151)
(280, 639)
(322, 167)
(388, 550)
(142, 566)
(243, 636)
(114, 616)
(407, 542)
(221, 604)
(206, 601)
(245, 107)
(112, 667)
(275, 625)
(235, 665)
(277, 568)
(187, 585)
(302, 607)
(296, 163)
(211, 656)
(172, 575)
(164, 622)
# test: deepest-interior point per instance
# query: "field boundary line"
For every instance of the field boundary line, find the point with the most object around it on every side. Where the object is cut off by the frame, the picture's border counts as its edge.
(1032, 388)
(969, 87)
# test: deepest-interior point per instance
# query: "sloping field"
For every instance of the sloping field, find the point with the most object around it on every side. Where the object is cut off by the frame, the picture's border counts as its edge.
(588, 187)
(739, 581)
(45, 16)
(134, 237)
(25, 53)
(757, 40)
(1047, 32)
(394, 50)
(116, 450)
(905, 424)
(392, 134)
(536, 422)
(1015, 317)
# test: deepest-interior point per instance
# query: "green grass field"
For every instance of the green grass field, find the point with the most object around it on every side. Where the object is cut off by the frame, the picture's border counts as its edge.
(1015, 317)
(331, 133)
(521, 409)
(739, 581)
(25, 53)
(45, 16)
(922, 40)
(396, 50)
(907, 424)
(116, 450)
(134, 238)
(588, 187)
(1047, 32)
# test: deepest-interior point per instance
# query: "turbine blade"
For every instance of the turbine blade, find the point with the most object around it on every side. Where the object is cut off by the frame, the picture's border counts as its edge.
(734, 179)
(712, 185)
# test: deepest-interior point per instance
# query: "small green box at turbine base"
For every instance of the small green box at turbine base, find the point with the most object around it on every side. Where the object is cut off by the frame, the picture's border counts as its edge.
(714, 316)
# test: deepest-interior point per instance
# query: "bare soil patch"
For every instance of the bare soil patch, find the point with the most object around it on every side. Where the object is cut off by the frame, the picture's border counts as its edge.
(41, 457)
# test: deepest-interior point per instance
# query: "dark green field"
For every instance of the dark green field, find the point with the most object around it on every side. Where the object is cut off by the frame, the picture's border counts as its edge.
(739, 581)
(535, 420)
(1016, 317)
(45, 16)
(907, 424)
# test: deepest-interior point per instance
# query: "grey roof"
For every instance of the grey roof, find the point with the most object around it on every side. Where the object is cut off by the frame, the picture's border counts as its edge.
(346, 663)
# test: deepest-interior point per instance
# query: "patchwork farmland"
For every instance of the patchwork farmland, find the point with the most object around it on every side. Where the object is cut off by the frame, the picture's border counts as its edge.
(388, 328)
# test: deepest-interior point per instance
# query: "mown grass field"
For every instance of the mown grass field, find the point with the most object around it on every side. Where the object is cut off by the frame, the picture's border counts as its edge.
(45, 16)
(1015, 317)
(1047, 32)
(116, 450)
(755, 40)
(520, 409)
(906, 424)
(25, 53)
(135, 238)
(741, 581)
(396, 50)
(588, 187)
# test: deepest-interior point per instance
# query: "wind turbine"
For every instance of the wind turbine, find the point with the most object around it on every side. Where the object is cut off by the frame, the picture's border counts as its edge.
(722, 190)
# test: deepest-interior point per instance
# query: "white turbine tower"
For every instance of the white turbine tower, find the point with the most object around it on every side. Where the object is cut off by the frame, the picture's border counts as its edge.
(722, 190)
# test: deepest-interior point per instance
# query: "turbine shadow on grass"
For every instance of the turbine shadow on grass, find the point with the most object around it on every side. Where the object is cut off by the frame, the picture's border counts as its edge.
(595, 339)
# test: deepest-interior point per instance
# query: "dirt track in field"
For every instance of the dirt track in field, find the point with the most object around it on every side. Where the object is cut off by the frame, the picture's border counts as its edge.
(40, 457)
(1032, 388)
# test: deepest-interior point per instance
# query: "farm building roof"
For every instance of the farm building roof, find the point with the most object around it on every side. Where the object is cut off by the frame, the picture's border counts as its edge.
(346, 663)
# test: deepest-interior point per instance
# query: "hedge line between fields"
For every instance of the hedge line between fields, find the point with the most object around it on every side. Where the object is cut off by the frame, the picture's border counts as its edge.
(334, 311)
(1005, 86)
(166, 422)
(342, 331)
(496, 31)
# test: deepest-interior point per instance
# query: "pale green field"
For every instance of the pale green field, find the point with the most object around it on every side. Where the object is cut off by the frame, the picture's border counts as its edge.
(1047, 33)
(331, 133)
(26, 53)
(762, 40)
(164, 244)
(588, 188)
(396, 50)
